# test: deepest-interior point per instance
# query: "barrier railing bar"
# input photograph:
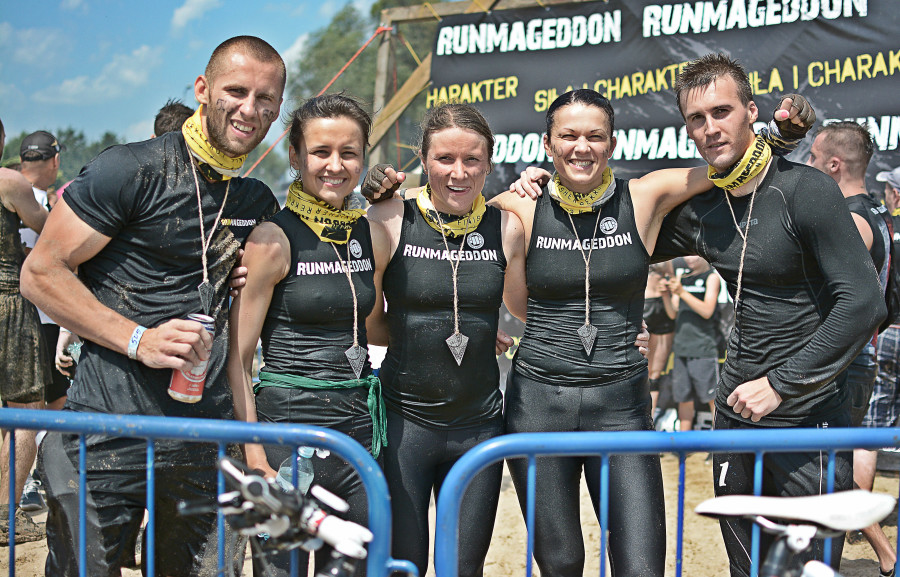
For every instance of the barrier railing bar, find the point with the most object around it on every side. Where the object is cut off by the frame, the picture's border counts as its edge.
(755, 530)
(528, 445)
(82, 505)
(529, 523)
(295, 554)
(213, 431)
(150, 531)
(604, 510)
(679, 550)
(220, 518)
(829, 489)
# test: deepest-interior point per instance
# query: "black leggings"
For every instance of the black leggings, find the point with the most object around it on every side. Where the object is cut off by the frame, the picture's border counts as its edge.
(784, 475)
(637, 521)
(416, 461)
(343, 410)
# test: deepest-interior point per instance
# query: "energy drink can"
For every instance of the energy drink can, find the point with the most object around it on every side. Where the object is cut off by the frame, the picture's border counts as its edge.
(187, 386)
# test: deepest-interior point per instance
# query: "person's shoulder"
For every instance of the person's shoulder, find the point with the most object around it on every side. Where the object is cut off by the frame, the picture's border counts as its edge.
(386, 210)
(803, 173)
(13, 183)
(9, 177)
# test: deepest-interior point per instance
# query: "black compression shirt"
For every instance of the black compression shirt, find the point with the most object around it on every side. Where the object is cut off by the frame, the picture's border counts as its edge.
(309, 324)
(420, 377)
(143, 196)
(550, 350)
(806, 305)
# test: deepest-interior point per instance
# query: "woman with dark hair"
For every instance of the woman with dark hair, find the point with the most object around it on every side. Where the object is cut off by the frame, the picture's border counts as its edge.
(452, 260)
(575, 369)
(313, 279)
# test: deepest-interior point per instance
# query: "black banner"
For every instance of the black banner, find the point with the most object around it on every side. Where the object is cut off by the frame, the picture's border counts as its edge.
(843, 55)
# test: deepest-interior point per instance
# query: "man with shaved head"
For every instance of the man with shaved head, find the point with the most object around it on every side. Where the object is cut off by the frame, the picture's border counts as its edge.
(154, 229)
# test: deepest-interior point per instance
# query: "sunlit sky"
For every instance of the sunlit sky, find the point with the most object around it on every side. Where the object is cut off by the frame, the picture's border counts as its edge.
(104, 65)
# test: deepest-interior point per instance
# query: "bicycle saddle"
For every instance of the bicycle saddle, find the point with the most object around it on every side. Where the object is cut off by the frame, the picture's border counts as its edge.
(842, 511)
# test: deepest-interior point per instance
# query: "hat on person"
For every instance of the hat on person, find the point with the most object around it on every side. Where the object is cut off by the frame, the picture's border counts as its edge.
(40, 145)
(890, 176)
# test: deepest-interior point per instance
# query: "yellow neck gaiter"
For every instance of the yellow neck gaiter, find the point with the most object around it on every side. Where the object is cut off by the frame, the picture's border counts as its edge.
(213, 163)
(754, 160)
(456, 227)
(329, 224)
(577, 203)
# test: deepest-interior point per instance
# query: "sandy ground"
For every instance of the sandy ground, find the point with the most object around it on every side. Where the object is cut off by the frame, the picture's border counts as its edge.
(704, 554)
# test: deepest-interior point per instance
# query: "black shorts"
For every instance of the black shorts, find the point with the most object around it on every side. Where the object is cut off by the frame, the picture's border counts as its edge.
(695, 379)
(58, 385)
(784, 475)
(116, 499)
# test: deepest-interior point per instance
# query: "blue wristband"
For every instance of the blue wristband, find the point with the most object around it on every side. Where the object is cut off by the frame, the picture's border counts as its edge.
(135, 341)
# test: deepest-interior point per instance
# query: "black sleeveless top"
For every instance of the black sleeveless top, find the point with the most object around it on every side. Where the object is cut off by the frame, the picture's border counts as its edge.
(656, 317)
(550, 350)
(309, 324)
(420, 378)
(879, 220)
(695, 336)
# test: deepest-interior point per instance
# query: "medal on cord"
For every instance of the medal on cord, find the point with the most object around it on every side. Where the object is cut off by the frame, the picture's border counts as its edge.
(588, 332)
(206, 290)
(356, 355)
(457, 342)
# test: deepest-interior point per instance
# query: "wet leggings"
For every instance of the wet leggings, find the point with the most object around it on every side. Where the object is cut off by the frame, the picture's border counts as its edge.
(343, 410)
(784, 475)
(416, 461)
(637, 530)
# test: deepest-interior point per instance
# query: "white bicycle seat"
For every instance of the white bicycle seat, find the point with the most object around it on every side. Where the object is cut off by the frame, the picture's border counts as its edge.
(842, 511)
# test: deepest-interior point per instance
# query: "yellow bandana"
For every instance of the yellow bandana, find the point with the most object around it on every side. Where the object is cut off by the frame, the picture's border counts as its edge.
(754, 160)
(577, 203)
(454, 228)
(329, 224)
(223, 166)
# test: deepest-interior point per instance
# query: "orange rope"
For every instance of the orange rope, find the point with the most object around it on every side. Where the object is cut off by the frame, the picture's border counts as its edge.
(380, 30)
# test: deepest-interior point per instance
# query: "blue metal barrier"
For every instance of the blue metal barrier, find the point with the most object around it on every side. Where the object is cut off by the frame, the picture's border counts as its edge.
(379, 563)
(604, 444)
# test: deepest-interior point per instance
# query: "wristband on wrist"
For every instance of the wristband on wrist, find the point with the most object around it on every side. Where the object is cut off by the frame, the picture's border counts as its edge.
(135, 341)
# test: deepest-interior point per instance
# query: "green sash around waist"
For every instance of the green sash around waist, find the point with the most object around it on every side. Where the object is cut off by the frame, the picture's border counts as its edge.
(374, 401)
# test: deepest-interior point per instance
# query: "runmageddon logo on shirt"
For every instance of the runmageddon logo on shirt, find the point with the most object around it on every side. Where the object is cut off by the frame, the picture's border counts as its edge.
(584, 244)
(453, 255)
(334, 267)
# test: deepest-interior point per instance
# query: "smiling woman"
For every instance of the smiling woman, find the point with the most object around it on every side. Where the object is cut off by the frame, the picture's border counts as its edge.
(313, 278)
(452, 260)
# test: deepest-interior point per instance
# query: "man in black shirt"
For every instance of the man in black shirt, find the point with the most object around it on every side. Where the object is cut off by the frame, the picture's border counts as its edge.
(154, 228)
(842, 150)
(781, 237)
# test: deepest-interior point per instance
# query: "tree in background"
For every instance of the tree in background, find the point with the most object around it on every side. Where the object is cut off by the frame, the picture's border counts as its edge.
(273, 170)
(329, 48)
(79, 150)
